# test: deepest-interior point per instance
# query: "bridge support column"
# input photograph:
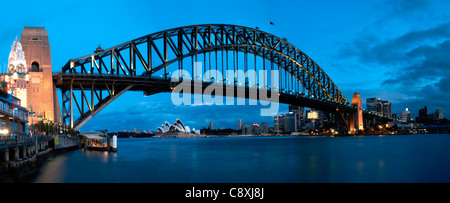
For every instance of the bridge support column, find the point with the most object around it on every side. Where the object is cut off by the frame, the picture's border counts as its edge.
(71, 105)
(5, 156)
(16, 153)
(23, 152)
(29, 150)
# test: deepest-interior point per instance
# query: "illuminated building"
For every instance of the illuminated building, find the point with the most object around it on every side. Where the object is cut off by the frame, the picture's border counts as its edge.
(42, 94)
(405, 116)
(177, 126)
(16, 77)
(378, 106)
(313, 119)
(374, 105)
(387, 108)
(13, 119)
(356, 121)
(256, 130)
(299, 113)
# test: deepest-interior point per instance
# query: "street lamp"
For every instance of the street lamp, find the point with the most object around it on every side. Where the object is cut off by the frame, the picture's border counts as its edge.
(40, 123)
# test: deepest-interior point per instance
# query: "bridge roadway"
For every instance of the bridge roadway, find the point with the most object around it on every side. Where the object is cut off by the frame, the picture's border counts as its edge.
(153, 85)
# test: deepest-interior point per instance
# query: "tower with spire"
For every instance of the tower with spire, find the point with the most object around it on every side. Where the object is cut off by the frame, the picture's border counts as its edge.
(16, 77)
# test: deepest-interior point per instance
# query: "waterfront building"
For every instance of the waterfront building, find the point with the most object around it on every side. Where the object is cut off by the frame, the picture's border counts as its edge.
(16, 77)
(13, 116)
(246, 130)
(256, 130)
(264, 127)
(177, 126)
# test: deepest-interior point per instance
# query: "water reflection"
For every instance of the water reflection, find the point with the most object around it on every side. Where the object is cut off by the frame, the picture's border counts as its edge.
(261, 159)
(53, 171)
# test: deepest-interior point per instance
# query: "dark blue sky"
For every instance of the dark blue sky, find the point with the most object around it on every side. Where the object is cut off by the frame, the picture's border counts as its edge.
(395, 50)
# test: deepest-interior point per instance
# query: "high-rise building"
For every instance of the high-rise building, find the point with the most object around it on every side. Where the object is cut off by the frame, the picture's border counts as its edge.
(423, 115)
(387, 108)
(299, 113)
(246, 130)
(256, 130)
(381, 107)
(278, 122)
(374, 105)
(405, 116)
(394, 115)
(438, 115)
(264, 127)
(289, 123)
(211, 125)
(240, 124)
(313, 119)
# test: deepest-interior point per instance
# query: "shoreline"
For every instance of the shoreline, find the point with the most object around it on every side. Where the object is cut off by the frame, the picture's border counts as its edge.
(25, 171)
(290, 135)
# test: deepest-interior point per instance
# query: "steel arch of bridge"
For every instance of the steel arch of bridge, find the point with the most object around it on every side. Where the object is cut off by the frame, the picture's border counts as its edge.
(151, 55)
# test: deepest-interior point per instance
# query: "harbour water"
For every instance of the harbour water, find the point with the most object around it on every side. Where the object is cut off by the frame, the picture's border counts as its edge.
(395, 158)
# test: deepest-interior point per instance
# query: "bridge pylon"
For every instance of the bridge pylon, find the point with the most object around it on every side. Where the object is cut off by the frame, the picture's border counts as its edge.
(42, 94)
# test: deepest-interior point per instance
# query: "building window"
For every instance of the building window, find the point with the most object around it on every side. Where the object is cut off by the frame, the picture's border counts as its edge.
(34, 67)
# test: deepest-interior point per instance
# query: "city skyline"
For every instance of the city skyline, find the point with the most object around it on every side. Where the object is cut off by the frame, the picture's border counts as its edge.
(390, 50)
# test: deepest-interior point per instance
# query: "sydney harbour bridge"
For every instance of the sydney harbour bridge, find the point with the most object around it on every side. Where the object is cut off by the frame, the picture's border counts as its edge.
(88, 84)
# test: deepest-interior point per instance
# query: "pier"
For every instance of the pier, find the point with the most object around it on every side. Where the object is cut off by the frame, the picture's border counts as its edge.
(99, 143)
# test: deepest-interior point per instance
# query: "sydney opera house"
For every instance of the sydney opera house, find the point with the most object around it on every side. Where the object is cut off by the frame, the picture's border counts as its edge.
(177, 129)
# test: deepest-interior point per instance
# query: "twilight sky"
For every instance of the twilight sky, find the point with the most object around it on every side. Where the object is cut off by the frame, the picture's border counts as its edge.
(398, 50)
